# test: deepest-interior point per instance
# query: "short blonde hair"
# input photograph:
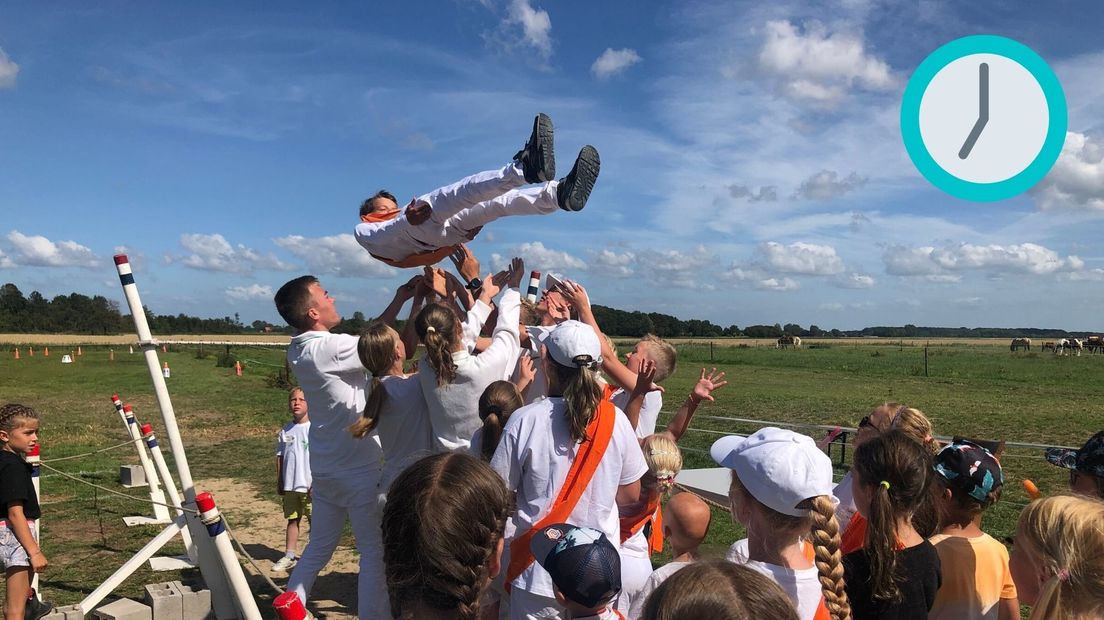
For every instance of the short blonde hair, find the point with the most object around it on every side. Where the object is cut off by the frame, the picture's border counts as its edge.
(665, 356)
(1065, 534)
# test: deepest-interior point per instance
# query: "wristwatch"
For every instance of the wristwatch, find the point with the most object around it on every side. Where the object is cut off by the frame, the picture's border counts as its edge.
(475, 284)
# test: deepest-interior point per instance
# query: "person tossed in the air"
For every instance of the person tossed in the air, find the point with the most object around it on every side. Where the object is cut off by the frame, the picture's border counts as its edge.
(430, 227)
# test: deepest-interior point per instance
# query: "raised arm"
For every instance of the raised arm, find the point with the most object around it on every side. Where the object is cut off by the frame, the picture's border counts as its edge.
(409, 335)
(402, 294)
(505, 341)
(703, 390)
(639, 391)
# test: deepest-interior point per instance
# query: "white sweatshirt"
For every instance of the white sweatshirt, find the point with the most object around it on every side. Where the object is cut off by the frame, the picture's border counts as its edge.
(454, 408)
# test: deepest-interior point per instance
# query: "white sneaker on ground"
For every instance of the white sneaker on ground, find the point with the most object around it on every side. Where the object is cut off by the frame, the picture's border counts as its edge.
(285, 564)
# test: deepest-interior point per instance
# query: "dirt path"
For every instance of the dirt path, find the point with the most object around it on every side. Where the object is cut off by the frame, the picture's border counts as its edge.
(334, 594)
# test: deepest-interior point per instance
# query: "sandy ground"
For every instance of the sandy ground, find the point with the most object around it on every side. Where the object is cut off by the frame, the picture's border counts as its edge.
(334, 594)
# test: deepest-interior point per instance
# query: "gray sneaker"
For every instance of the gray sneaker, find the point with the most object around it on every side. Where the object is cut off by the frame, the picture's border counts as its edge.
(538, 159)
(36, 609)
(574, 189)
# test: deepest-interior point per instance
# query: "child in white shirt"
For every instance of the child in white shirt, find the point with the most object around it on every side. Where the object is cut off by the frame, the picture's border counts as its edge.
(293, 474)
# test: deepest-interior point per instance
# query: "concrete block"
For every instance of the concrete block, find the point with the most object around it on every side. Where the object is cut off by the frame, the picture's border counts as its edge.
(123, 609)
(131, 476)
(197, 602)
(68, 612)
(165, 601)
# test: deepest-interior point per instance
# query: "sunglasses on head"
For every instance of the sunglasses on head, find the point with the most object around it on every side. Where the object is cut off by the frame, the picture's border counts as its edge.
(865, 422)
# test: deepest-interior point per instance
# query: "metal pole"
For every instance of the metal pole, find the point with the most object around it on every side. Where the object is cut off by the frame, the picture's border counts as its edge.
(209, 514)
(209, 565)
(170, 487)
(925, 360)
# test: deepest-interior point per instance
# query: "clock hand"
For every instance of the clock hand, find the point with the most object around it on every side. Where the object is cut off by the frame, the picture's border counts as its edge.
(983, 111)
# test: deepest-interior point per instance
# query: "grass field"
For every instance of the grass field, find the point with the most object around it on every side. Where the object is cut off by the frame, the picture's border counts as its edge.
(228, 422)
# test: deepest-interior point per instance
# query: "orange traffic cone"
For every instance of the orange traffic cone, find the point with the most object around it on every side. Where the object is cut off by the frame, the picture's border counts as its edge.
(17, 353)
(132, 349)
(165, 371)
(112, 356)
(164, 348)
(30, 351)
(46, 351)
(237, 368)
(79, 352)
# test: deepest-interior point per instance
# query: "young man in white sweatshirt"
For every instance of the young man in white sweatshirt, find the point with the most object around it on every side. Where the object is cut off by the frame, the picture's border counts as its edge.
(345, 470)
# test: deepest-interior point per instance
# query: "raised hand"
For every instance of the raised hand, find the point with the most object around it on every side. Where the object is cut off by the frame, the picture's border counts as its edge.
(707, 384)
(417, 212)
(408, 289)
(645, 379)
(510, 276)
(467, 265)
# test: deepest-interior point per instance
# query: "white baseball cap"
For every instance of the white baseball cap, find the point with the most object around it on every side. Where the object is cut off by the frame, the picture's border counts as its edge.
(780, 468)
(571, 339)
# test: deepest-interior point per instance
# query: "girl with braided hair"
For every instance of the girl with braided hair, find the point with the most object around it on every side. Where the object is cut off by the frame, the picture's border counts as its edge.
(781, 492)
(20, 554)
(442, 537)
(572, 458)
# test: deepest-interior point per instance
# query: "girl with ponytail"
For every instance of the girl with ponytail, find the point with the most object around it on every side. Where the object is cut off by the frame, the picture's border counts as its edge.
(497, 403)
(897, 572)
(394, 411)
(453, 379)
(572, 458)
(781, 491)
(1057, 558)
(442, 537)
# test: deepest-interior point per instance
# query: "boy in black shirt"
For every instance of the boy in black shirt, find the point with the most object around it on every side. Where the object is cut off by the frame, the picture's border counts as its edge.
(19, 551)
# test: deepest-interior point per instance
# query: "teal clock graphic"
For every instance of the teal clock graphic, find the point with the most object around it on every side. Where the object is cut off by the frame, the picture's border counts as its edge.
(983, 118)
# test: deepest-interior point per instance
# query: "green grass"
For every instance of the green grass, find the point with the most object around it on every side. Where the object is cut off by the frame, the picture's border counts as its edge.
(229, 423)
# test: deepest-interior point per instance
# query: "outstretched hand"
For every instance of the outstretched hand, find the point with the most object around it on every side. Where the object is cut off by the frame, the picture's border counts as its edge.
(576, 295)
(467, 265)
(707, 384)
(511, 276)
(408, 289)
(645, 379)
(417, 212)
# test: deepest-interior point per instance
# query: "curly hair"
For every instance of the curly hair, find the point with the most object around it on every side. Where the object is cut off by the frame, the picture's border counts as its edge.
(444, 518)
(13, 414)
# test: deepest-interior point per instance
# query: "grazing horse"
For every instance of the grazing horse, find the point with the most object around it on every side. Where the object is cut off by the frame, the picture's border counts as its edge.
(1050, 345)
(1021, 343)
(1073, 345)
(786, 340)
(1095, 344)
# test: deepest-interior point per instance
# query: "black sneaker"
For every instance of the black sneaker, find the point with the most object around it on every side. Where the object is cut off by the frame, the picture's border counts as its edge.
(574, 189)
(537, 159)
(36, 609)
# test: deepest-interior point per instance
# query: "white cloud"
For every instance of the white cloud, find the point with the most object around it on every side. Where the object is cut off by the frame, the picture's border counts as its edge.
(935, 262)
(820, 66)
(535, 24)
(5, 262)
(1077, 179)
(801, 258)
(854, 280)
(247, 293)
(676, 268)
(339, 255)
(8, 71)
(611, 264)
(944, 278)
(766, 193)
(777, 284)
(214, 253)
(537, 257)
(38, 250)
(612, 62)
(825, 185)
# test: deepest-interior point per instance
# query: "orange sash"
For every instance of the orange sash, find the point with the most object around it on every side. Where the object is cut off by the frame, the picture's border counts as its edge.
(587, 458)
(421, 259)
(608, 390)
(631, 525)
(822, 609)
(378, 218)
(855, 534)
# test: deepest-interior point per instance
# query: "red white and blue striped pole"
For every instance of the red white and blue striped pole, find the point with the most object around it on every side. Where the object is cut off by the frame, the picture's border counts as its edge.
(157, 496)
(170, 486)
(213, 574)
(34, 459)
(216, 528)
(534, 287)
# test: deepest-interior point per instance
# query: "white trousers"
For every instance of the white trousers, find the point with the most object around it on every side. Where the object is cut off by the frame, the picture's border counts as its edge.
(457, 210)
(335, 499)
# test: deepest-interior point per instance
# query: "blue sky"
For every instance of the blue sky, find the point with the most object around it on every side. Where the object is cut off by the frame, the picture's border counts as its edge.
(753, 169)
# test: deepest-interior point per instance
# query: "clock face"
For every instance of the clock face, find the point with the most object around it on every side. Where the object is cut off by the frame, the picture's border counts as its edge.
(983, 118)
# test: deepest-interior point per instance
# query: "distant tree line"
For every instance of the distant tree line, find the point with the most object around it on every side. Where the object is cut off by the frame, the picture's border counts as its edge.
(80, 314)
